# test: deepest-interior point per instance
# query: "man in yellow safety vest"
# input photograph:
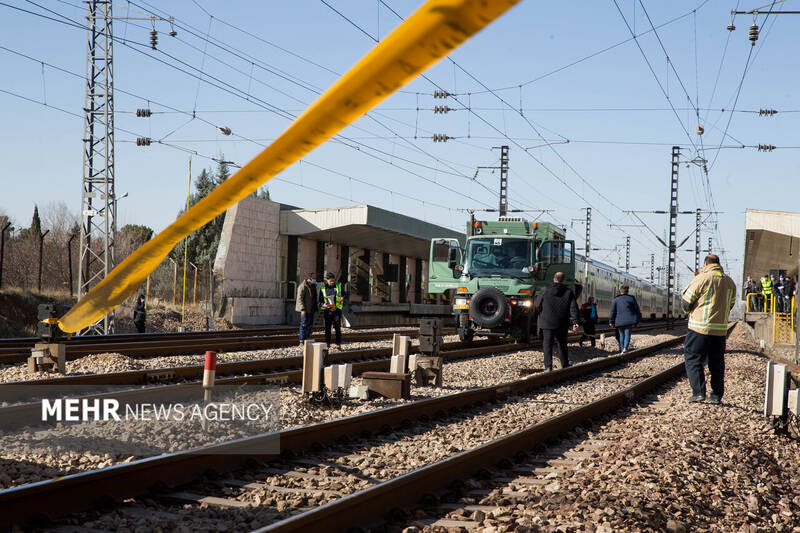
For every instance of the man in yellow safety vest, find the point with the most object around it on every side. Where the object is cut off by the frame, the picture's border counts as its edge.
(708, 299)
(766, 293)
(331, 302)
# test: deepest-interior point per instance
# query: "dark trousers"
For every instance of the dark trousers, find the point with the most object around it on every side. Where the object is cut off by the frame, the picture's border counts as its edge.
(699, 349)
(588, 332)
(550, 337)
(333, 318)
(306, 323)
(139, 326)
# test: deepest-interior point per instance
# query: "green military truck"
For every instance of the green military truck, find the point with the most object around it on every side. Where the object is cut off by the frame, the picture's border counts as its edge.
(493, 280)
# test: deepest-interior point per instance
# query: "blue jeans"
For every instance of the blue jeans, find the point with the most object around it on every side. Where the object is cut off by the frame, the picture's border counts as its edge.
(700, 349)
(624, 337)
(306, 323)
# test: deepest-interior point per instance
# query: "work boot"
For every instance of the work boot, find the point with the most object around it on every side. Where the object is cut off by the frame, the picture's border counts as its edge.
(694, 398)
(548, 369)
(714, 399)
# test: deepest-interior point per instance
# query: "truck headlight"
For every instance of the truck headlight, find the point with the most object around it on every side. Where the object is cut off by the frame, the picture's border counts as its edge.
(527, 303)
(461, 301)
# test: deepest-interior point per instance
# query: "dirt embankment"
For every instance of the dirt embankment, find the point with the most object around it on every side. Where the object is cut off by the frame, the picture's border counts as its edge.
(19, 311)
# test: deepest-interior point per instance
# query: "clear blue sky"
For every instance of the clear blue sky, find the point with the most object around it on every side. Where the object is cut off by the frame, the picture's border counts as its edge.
(297, 48)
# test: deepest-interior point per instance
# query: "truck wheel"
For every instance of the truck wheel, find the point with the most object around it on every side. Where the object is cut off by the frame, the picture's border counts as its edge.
(488, 307)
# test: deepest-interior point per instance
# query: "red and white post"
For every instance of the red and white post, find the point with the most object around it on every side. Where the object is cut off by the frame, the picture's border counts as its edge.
(209, 374)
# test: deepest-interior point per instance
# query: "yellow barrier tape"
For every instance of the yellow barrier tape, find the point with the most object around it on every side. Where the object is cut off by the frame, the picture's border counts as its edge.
(434, 30)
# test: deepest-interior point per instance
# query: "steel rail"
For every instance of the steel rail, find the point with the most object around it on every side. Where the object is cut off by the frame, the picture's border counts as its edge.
(76, 492)
(182, 346)
(28, 342)
(23, 414)
(375, 503)
(151, 375)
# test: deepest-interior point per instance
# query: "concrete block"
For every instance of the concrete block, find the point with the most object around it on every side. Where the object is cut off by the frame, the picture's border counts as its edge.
(332, 377)
(313, 359)
(401, 344)
(345, 375)
(794, 401)
(398, 364)
(359, 392)
(777, 383)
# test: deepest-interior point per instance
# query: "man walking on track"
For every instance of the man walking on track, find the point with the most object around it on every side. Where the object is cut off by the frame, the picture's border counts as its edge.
(624, 315)
(708, 299)
(557, 307)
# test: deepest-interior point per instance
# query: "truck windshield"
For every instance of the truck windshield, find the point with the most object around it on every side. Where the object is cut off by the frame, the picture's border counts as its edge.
(498, 256)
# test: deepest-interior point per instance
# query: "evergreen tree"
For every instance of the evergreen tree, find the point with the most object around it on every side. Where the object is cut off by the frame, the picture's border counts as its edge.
(262, 193)
(35, 231)
(136, 234)
(202, 244)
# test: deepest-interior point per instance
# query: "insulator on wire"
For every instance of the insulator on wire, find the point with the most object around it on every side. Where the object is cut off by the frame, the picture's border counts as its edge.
(440, 94)
(440, 138)
(143, 112)
(225, 130)
(765, 147)
(700, 129)
(766, 112)
(441, 109)
(153, 39)
(753, 34)
(731, 27)
(143, 141)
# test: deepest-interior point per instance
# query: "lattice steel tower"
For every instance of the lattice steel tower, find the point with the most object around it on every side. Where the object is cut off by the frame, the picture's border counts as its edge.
(98, 205)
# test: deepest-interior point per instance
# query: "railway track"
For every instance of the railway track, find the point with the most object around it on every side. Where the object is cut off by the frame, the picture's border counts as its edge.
(80, 491)
(197, 342)
(187, 343)
(260, 371)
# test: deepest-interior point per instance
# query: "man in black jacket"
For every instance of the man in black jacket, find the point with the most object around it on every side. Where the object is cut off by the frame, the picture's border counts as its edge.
(139, 313)
(557, 308)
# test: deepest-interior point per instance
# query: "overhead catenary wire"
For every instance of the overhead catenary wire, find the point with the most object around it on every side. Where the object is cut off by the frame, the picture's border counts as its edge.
(236, 92)
(540, 162)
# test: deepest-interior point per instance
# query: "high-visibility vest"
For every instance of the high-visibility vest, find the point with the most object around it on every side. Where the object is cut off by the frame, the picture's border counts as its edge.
(766, 286)
(339, 299)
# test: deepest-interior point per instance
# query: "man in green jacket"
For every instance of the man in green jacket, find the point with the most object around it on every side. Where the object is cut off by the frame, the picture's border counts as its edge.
(708, 299)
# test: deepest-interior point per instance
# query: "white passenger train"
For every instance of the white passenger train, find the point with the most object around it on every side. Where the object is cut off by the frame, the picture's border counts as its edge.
(603, 282)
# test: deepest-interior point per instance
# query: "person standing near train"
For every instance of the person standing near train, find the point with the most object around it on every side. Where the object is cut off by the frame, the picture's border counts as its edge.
(557, 308)
(588, 317)
(624, 315)
(708, 299)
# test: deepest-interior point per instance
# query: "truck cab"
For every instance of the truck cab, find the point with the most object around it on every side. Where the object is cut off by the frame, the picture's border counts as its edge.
(493, 280)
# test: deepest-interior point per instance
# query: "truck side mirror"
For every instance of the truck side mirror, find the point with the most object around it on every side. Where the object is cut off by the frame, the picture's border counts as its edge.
(452, 258)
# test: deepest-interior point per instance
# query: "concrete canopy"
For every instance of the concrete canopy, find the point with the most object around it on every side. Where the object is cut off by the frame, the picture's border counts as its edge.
(365, 226)
(772, 239)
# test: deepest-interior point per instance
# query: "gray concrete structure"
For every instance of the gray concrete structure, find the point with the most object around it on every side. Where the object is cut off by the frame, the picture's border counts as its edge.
(772, 239)
(365, 226)
(248, 264)
(266, 248)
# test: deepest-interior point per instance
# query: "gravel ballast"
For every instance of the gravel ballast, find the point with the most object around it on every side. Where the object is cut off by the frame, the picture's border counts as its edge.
(354, 466)
(21, 465)
(666, 466)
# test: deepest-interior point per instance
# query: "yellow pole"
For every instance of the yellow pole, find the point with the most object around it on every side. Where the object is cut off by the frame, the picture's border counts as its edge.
(186, 242)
